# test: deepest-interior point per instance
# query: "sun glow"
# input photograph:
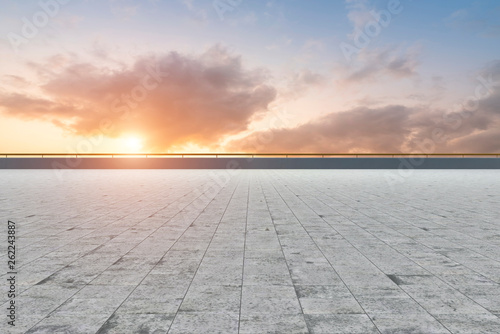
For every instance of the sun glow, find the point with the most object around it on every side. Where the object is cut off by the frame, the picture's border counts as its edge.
(132, 144)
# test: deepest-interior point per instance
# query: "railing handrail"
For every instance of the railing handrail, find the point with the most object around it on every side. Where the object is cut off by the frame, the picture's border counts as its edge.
(253, 155)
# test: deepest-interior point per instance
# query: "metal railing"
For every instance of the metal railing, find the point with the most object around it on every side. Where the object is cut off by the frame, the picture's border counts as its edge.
(251, 155)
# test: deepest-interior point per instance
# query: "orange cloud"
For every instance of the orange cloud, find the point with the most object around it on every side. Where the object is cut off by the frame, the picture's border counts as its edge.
(357, 130)
(175, 100)
(389, 129)
(172, 99)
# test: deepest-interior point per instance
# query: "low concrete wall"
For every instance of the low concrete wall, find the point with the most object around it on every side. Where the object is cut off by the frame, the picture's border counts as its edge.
(247, 163)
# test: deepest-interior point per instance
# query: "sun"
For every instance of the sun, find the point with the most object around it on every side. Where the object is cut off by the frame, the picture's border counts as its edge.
(132, 144)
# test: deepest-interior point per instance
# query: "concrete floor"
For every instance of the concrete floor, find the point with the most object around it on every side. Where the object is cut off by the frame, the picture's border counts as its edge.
(262, 251)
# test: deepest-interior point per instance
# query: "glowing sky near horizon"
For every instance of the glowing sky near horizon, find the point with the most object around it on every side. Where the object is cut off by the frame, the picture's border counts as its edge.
(250, 76)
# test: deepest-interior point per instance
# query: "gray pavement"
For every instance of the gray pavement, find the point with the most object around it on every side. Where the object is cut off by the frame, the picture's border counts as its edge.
(253, 251)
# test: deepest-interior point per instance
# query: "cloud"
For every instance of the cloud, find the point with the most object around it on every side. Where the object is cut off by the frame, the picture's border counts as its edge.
(473, 127)
(68, 21)
(390, 61)
(171, 99)
(358, 13)
(299, 82)
(19, 105)
(124, 9)
(198, 13)
(314, 45)
(482, 142)
(471, 21)
(15, 81)
(250, 18)
(281, 43)
(388, 129)
(356, 130)
(174, 100)
(394, 128)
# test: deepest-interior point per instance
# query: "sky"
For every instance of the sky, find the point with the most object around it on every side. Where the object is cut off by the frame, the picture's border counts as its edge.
(331, 76)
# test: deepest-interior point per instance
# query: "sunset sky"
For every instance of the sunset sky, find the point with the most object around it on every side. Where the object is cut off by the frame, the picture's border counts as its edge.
(250, 76)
